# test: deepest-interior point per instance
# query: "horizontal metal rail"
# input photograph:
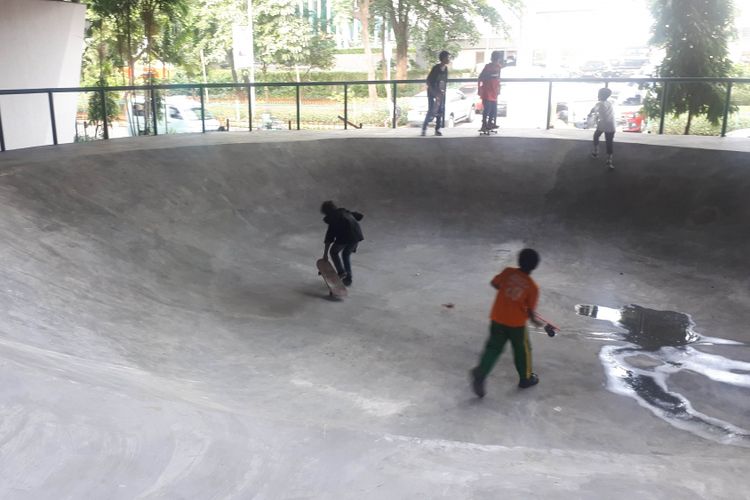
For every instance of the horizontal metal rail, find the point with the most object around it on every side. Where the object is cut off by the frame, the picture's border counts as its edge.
(248, 87)
(175, 86)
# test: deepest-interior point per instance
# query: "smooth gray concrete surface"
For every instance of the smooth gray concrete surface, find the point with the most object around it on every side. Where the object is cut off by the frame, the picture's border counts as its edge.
(164, 334)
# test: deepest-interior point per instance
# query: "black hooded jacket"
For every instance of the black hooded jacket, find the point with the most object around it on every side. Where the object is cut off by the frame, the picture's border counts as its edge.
(343, 227)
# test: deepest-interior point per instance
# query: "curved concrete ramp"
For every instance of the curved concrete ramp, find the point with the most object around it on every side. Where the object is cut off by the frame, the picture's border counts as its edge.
(164, 334)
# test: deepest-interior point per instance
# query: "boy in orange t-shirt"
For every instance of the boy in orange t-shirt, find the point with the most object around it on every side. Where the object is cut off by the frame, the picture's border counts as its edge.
(516, 299)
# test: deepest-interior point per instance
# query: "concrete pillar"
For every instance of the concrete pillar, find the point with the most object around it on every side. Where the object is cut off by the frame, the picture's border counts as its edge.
(41, 45)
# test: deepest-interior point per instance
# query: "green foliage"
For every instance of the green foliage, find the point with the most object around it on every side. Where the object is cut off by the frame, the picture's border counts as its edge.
(208, 30)
(437, 24)
(694, 34)
(96, 110)
(446, 25)
(282, 37)
(741, 91)
(675, 125)
(141, 30)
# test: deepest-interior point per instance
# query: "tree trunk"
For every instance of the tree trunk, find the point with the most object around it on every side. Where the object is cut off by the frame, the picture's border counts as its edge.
(402, 58)
(386, 72)
(400, 23)
(131, 60)
(363, 14)
(230, 56)
(689, 122)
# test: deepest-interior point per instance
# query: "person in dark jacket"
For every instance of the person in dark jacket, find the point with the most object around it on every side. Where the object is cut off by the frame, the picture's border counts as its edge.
(437, 82)
(342, 237)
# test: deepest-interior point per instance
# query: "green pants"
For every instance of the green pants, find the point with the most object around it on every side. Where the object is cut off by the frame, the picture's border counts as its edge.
(499, 335)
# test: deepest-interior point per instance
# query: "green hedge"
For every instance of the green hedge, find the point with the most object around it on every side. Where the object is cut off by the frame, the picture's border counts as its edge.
(315, 92)
(675, 125)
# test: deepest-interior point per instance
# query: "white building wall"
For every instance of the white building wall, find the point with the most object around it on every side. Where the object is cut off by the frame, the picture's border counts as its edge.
(41, 45)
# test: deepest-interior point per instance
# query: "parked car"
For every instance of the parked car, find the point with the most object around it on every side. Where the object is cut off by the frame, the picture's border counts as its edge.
(458, 108)
(184, 115)
(178, 114)
(743, 133)
(596, 69)
(631, 116)
(471, 91)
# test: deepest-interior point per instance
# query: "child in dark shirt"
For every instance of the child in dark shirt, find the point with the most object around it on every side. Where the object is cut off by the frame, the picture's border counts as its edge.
(437, 82)
(342, 237)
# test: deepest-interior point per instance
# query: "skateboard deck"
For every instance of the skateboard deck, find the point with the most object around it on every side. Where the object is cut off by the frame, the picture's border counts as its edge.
(335, 287)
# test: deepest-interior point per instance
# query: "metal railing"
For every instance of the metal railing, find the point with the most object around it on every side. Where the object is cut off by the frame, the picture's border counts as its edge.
(248, 87)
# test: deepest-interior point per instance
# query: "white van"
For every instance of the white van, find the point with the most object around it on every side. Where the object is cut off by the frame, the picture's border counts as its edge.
(179, 114)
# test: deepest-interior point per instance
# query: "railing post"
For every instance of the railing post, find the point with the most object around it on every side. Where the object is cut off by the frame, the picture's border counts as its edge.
(549, 105)
(105, 121)
(52, 120)
(298, 104)
(395, 118)
(726, 110)
(346, 106)
(2, 137)
(663, 105)
(154, 110)
(249, 108)
(203, 109)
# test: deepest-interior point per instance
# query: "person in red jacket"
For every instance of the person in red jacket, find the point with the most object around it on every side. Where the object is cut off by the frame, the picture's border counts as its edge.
(516, 299)
(489, 88)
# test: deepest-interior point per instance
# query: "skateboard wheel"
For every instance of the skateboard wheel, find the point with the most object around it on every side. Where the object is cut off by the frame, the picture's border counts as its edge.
(550, 330)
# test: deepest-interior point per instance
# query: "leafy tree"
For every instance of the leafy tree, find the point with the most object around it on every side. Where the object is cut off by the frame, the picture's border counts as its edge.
(156, 16)
(125, 29)
(96, 110)
(139, 27)
(207, 30)
(363, 14)
(285, 39)
(100, 56)
(434, 22)
(694, 34)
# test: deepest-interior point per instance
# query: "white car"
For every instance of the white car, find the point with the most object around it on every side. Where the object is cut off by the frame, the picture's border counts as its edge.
(458, 108)
(179, 114)
(184, 115)
(744, 133)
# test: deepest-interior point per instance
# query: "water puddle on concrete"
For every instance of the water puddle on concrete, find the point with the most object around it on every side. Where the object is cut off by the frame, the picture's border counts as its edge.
(656, 345)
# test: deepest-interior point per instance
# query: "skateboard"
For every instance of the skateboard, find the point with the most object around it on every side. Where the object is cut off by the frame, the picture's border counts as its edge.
(483, 131)
(550, 328)
(335, 287)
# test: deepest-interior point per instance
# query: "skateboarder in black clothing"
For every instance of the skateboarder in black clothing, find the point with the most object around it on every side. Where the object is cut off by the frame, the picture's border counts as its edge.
(342, 237)
(437, 82)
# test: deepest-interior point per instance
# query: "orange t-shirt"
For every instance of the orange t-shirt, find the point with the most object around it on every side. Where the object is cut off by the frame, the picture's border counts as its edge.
(517, 294)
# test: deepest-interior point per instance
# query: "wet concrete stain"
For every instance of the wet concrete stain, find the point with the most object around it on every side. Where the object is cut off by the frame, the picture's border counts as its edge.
(657, 345)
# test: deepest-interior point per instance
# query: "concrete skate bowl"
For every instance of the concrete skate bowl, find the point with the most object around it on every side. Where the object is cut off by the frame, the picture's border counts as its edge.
(164, 332)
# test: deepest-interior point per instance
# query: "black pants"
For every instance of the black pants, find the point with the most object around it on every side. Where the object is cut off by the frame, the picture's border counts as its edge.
(609, 137)
(346, 252)
(436, 110)
(489, 112)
